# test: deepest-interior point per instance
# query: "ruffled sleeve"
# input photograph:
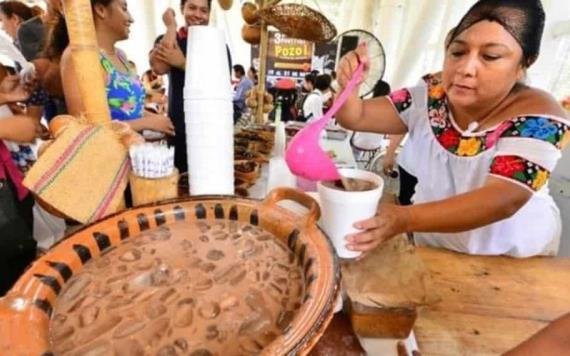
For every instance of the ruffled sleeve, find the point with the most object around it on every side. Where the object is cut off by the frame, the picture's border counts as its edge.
(529, 148)
(410, 103)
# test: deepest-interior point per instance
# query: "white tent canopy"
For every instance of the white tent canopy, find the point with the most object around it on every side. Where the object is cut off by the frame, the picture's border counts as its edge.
(411, 31)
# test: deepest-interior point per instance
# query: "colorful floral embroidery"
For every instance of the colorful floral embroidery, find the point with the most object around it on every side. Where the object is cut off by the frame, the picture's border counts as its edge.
(436, 92)
(565, 140)
(521, 170)
(447, 135)
(402, 99)
(469, 147)
(449, 139)
(542, 128)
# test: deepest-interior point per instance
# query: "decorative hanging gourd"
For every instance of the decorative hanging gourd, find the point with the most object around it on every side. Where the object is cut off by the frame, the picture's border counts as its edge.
(252, 100)
(251, 30)
(249, 13)
(225, 4)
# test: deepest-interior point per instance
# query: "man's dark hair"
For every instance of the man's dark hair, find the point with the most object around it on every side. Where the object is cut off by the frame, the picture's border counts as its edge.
(323, 82)
(183, 2)
(11, 8)
(310, 78)
(238, 68)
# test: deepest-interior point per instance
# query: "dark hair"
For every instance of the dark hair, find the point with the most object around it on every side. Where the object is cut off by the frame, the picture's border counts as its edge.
(253, 70)
(310, 78)
(37, 11)
(523, 19)
(323, 82)
(102, 2)
(381, 88)
(183, 2)
(58, 37)
(238, 68)
(16, 8)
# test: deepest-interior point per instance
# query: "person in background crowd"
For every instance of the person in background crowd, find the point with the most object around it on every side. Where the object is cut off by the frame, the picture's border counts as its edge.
(307, 86)
(155, 101)
(315, 100)
(34, 40)
(125, 91)
(308, 83)
(171, 60)
(12, 15)
(252, 75)
(152, 81)
(243, 86)
(365, 142)
(133, 66)
(17, 245)
(37, 10)
(31, 35)
(487, 141)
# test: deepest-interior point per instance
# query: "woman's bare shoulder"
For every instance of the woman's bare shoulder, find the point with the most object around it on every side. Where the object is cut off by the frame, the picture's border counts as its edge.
(537, 101)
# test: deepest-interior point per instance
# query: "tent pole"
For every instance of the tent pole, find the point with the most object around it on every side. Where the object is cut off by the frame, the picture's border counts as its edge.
(263, 44)
(85, 60)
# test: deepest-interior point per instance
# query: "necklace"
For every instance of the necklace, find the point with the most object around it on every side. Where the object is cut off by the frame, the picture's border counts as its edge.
(473, 125)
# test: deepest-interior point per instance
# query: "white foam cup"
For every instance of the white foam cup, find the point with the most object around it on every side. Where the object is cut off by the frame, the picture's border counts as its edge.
(341, 209)
(207, 67)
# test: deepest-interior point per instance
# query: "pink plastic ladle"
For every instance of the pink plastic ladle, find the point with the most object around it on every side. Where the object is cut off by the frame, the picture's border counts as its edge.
(304, 155)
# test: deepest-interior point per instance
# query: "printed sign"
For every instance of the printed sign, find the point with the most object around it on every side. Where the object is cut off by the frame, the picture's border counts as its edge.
(286, 57)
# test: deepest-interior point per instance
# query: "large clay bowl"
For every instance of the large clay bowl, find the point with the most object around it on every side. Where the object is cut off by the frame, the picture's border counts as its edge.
(25, 311)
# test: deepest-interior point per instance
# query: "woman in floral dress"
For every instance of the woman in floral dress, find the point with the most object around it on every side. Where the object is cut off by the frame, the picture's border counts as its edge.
(125, 91)
(485, 143)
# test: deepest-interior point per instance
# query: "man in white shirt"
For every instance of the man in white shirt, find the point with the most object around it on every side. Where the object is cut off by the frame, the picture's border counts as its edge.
(313, 105)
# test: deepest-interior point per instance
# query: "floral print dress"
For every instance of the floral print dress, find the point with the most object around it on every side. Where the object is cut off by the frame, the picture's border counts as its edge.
(125, 91)
(449, 161)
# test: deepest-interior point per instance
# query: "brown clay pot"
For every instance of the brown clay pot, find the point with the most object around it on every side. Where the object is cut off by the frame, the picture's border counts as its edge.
(249, 13)
(26, 310)
(251, 34)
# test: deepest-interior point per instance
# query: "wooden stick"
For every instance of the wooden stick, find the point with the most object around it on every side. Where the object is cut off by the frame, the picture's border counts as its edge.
(85, 59)
(263, 46)
(346, 183)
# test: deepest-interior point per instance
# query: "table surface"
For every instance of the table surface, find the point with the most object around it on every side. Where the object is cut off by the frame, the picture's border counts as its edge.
(489, 304)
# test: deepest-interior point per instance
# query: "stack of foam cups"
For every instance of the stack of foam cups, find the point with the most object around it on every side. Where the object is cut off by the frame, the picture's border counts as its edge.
(208, 113)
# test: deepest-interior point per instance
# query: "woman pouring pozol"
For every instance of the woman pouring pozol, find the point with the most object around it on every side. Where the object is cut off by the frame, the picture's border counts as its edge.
(485, 142)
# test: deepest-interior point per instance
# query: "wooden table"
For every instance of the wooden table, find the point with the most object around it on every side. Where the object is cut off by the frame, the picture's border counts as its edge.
(489, 304)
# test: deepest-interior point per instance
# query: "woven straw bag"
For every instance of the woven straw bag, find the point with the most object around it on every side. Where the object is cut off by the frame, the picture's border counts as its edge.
(84, 172)
(299, 21)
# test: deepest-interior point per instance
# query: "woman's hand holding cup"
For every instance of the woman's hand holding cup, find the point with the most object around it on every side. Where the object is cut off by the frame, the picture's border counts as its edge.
(390, 221)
